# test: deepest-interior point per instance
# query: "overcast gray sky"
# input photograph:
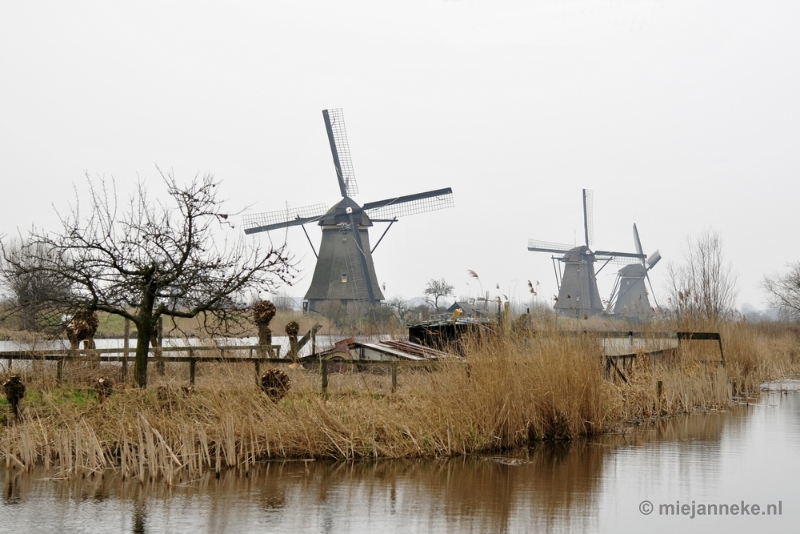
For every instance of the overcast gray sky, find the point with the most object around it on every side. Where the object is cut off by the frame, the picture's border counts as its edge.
(680, 115)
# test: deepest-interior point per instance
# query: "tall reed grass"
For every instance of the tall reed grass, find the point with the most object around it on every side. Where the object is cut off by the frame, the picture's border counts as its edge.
(511, 391)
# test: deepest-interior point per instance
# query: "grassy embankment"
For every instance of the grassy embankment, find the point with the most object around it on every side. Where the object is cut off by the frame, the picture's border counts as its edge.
(516, 390)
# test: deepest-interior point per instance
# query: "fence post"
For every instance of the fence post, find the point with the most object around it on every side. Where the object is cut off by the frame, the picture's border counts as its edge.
(324, 366)
(394, 376)
(192, 366)
(258, 371)
(59, 371)
(126, 344)
(160, 343)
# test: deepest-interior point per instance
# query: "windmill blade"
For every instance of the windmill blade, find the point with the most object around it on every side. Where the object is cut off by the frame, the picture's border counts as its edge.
(272, 220)
(544, 246)
(619, 254)
(637, 242)
(617, 260)
(337, 137)
(654, 258)
(652, 293)
(362, 257)
(410, 204)
(588, 217)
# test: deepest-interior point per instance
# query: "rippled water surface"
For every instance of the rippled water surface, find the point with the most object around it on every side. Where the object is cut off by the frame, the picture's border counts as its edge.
(749, 456)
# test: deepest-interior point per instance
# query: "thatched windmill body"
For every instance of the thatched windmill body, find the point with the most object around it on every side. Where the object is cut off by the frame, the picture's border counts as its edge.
(578, 295)
(345, 271)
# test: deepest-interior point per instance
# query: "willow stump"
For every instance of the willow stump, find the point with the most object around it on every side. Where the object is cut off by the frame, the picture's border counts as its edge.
(14, 390)
(275, 383)
(82, 327)
(104, 387)
(263, 313)
(292, 329)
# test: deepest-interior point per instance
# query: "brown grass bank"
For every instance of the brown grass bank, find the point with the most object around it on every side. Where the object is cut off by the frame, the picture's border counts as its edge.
(513, 391)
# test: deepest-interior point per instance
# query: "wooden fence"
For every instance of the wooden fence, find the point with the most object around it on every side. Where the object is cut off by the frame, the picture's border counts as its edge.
(195, 354)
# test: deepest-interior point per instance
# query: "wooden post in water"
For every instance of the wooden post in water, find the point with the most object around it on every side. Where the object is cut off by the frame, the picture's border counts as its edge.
(126, 348)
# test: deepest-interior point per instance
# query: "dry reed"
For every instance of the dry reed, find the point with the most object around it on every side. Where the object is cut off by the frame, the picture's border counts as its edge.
(512, 391)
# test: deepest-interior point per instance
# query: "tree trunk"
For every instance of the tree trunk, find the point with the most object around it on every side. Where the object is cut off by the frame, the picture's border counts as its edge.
(144, 331)
(264, 338)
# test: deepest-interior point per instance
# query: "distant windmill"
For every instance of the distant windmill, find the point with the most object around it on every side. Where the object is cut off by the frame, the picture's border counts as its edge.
(344, 271)
(629, 296)
(578, 295)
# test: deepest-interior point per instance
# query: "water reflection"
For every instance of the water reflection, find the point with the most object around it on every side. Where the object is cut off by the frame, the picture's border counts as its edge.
(581, 486)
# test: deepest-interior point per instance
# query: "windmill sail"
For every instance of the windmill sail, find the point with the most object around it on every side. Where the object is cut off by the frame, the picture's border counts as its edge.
(271, 220)
(410, 204)
(636, 242)
(588, 217)
(534, 245)
(340, 149)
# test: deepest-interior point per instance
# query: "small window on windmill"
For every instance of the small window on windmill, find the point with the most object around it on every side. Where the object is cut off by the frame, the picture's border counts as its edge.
(344, 278)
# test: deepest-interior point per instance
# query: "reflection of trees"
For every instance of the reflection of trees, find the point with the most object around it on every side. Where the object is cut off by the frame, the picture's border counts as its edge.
(546, 488)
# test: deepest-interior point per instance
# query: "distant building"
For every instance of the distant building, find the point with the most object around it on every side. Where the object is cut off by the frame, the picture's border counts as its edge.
(471, 308)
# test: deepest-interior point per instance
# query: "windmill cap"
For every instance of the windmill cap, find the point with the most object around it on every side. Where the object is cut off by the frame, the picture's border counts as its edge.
(654, 258)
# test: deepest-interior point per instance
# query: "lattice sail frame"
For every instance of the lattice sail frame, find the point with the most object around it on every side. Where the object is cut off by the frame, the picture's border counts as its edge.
(412, 207)
(535, 243)
(618, 260)
(258, 220)
(343, 150)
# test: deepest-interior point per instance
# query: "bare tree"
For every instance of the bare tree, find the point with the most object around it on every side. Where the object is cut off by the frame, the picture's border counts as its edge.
(28, 293)
(435, 289)
(704, 286)
(157, 259)
(783, 291)
(401, 307)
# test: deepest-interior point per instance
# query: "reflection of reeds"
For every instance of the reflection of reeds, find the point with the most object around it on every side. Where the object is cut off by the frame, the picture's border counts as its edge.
(546, 487)
(514, 390)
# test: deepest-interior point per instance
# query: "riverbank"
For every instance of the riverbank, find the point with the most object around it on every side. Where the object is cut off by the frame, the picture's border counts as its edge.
(515, 390)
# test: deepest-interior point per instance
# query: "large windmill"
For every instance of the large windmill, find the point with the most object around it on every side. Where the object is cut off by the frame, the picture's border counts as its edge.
(578, 295)
(629, 296)
(344, 271)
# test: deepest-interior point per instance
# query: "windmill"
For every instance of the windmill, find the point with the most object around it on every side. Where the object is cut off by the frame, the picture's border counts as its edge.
(629, 296)
(344, 270)
(578, 295)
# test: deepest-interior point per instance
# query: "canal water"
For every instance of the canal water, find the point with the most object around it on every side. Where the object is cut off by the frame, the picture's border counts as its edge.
(668, 477)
